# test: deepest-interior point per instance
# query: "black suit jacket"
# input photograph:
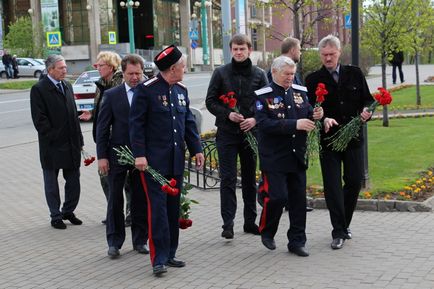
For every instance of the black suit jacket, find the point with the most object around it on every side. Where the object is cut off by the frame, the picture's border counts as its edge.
(345, 99)
(112, 126)
(55, 118)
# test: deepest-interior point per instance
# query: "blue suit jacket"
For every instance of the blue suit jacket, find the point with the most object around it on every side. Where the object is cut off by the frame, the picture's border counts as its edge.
(112, 126)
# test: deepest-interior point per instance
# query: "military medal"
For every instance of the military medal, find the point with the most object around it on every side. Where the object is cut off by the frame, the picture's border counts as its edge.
(181, 100)
(165, 103)
(298, 99)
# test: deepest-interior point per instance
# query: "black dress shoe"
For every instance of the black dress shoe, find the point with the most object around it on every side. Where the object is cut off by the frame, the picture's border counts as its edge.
(268, 242)
(349, 234)
(299, 251)
(251, 229)
(337, 243)
(309, 209)
(58, 224)
(228, 233)
(141, 249)
(173, 262)
(72, 218)
(113, 252)
(159, 269)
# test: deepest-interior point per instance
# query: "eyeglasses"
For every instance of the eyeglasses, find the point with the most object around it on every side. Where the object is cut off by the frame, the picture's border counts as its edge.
(97, 65)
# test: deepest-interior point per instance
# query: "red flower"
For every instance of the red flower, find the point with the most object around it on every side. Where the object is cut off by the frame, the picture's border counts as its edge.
(185, 223)
(232, 102)
(230, 94)
(172, 182)
(222, 97)
(320, 92)
(88, 159)
(383, 97)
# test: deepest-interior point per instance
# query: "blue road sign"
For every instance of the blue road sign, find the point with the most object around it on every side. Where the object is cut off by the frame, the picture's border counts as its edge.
(347, 21)
(193, 44)
(194, 35)
(54, 39)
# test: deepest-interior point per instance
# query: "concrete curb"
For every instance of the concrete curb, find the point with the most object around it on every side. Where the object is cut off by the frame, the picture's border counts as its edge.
(381, 205)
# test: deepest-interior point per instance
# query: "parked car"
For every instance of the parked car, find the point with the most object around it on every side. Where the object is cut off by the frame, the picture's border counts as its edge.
(149, 67)
(84, 90)
(26, 67)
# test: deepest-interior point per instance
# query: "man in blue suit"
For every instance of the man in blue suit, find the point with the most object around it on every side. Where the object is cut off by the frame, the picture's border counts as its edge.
(161, 124)
(112, 132)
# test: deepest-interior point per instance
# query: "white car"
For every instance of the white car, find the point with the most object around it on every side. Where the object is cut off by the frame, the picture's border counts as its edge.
(84, 90)
(26, 67)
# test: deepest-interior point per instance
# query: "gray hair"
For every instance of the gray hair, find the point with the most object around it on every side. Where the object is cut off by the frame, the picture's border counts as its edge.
(330, 40)
(280, 62)
(52, 59)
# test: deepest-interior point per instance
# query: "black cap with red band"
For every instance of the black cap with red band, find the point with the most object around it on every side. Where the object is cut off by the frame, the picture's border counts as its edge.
(166, 58)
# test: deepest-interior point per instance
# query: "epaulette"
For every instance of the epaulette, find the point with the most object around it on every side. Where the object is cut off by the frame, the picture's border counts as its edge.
(182, 85)
(264, 90)
(299, 87)
(151, 81)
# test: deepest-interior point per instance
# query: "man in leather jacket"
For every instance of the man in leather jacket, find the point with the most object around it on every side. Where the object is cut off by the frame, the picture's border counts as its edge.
(239, 79)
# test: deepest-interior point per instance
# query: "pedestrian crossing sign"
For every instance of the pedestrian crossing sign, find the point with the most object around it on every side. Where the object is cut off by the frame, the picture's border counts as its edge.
(54, 39)
(112, 37)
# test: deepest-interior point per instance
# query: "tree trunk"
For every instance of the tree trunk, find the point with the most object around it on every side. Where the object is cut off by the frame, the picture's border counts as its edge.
(383, 80)
(416, 64)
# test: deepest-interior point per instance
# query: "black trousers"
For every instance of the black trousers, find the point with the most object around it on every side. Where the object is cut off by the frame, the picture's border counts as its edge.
(341, 199)
(115, 226)
(52, 194)
(229, 147)
(105, 187)
(283, 189)
(401, 74)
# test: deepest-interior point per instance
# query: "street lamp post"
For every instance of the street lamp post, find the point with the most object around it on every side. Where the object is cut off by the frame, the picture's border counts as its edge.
(204, 29)
(130, 5)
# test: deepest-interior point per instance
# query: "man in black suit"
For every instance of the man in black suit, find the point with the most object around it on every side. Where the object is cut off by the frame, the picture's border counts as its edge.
(283, 116)
(348, 97)
(112, 132)
(54, 116)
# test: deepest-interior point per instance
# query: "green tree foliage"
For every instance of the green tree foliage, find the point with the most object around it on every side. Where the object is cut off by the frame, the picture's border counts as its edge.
(20, 39)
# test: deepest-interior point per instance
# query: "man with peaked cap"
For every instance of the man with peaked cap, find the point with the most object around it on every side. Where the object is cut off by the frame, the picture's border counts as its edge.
(161, 123)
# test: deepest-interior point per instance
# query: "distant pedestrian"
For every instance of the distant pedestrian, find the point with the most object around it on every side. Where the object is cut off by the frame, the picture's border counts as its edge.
(397, 60)
(55, 117)
(15, 66)
(7, 62)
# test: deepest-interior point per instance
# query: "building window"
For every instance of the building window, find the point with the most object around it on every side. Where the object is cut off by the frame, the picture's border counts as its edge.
(107, 18)
(74, 24)
(166, 23)
(255, 38)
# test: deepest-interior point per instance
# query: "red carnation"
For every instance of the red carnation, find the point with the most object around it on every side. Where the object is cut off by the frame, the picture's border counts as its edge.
(222, 97)
(185, 223)
(383, 97)
(320, 92)
(232, 103)
(172, 182)
(230, 94)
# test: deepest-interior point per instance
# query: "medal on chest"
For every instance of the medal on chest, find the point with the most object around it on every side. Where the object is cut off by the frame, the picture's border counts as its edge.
(181, 99)
(163, 99)
(298, 99)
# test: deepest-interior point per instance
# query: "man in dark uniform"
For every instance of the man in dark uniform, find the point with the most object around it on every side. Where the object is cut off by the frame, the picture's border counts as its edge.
(161, 123)
(348, 97)
(54, 115)
(112, 132)
(283, 116)
(241, 78)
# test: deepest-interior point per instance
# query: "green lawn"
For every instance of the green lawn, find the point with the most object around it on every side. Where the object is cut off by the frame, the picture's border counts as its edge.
(396, 153)
(406, 98)
(20, 84)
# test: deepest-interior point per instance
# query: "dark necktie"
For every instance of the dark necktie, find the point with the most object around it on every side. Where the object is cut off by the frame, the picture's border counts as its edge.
(335, 75)
(60, 87)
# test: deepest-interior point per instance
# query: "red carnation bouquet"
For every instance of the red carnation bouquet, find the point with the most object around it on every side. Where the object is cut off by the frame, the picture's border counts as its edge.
(341, 139)
(313, 137)
(87, 158)
(125, 157)
(231, 101)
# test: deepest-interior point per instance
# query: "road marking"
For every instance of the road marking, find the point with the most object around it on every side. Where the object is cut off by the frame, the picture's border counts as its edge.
(17, 110)
(15, 100)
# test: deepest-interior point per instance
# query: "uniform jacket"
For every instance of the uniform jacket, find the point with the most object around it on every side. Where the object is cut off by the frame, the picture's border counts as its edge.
(345, 99)
(243, 82)
(112, 127)
(55, 118)
(281, 146)
(161, 123)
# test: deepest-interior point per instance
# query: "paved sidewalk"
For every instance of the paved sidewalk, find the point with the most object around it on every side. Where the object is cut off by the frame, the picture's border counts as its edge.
(389, 250)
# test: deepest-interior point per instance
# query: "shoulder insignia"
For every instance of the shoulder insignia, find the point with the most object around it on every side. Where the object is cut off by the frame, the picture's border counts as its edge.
(299, 87)
(182, 85)
(264, 90)
(150, 81)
